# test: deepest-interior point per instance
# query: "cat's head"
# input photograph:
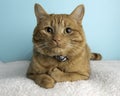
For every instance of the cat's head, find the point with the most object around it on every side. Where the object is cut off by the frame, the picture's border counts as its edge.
(59, 34)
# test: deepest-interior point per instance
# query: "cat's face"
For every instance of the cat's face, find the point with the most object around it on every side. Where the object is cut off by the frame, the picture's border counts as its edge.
(58, 34)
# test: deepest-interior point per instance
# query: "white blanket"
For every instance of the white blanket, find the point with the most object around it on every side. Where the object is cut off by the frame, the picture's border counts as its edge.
(104, 81)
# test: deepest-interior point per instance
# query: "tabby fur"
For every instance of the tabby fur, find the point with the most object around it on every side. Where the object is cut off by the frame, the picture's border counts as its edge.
(59, 35)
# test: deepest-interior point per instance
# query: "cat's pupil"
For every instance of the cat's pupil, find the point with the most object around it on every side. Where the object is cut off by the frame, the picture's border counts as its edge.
(48, 29)
(68, 30)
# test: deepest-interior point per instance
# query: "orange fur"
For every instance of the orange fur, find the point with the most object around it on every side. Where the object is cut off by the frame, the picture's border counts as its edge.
(59, 35)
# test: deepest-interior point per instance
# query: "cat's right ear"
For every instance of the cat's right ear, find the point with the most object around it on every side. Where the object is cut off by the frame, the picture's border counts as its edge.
(39, 12)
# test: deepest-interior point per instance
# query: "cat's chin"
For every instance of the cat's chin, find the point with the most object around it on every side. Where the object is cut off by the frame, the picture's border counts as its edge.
(58, 51)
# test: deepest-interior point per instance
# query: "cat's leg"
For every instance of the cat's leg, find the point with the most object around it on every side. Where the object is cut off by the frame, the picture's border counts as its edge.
(45, 81)
(61, 76)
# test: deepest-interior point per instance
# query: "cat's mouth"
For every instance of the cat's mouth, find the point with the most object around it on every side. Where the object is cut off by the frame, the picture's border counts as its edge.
(59, 46)
(60, 49)
(57, 50)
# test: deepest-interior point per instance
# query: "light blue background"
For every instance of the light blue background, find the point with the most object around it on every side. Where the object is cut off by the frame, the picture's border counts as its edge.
(17, 21)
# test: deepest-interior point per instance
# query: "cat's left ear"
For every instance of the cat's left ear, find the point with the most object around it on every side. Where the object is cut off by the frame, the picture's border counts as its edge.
(78, 13)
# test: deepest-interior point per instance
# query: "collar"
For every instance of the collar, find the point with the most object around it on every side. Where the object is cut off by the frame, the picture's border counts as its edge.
(61, 58)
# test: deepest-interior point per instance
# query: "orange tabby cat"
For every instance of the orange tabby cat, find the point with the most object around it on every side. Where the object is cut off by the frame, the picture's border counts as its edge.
(60, 49)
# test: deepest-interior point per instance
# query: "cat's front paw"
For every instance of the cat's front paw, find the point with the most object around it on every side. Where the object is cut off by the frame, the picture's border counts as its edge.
(45, 81)
(56, 74)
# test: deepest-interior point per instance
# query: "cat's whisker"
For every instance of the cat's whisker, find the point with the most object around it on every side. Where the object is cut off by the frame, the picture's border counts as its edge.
(42, 46)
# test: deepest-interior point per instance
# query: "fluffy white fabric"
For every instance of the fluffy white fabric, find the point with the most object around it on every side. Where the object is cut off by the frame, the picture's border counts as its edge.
(104, 81)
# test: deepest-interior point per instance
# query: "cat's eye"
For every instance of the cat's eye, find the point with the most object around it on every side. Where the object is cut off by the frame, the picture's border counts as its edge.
(49, 29)
(68, 30)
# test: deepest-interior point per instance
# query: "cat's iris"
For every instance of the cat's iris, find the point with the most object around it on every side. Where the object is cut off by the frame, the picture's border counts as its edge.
(68, 30)
(49, 29)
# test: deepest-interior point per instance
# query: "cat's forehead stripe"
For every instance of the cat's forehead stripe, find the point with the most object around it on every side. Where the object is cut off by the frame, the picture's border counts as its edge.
(58, 19)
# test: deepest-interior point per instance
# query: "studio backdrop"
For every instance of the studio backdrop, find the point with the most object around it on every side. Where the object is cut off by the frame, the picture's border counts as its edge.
(17, 21)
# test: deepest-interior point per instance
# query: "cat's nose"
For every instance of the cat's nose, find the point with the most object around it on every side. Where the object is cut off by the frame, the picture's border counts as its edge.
(57, 39)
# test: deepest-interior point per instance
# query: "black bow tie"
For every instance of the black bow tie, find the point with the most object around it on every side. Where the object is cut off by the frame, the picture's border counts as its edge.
(61, 58)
